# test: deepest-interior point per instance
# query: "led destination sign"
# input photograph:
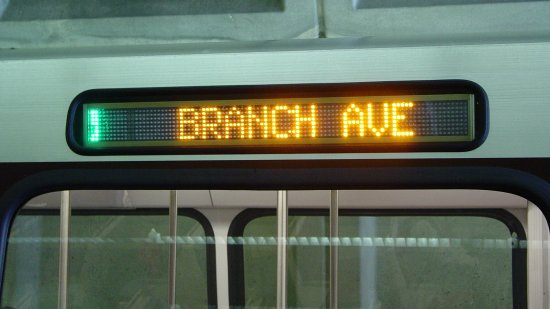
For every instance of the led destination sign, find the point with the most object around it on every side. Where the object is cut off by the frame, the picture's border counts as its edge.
(304, 121)
(287, 124)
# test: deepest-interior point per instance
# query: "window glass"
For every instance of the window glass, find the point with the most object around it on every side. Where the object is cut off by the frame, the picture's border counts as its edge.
(61, 23)
(32, 270)
(121, 260)
(426, 262)
(306, 264)
(117, 259)
(20, 10)
(385, 261)
(193, 266)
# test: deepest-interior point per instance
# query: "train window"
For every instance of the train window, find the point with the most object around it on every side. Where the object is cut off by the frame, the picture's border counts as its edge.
(387, 259)
(422, 21)
(31, 270)
(32, 9)
(365, 4)
(118, 254)
(58, 23)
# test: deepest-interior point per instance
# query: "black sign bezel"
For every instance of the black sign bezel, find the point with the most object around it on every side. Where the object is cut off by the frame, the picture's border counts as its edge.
(74, 132)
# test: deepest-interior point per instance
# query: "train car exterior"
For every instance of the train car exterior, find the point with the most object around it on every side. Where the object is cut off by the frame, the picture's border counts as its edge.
(275, 154)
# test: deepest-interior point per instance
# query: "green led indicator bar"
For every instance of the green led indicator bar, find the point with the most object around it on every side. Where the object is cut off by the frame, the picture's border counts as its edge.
(93, 125)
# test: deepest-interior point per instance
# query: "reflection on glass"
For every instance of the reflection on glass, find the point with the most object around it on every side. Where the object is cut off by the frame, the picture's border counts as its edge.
(371, 4)
(307, 262)
(384, 262)
(192, 265)
(28, 10)
(426, 262)
(3, 7)
(117, 259)
(31, 270)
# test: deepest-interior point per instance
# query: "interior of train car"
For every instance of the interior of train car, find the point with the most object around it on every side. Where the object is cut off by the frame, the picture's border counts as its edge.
(275, 154)
(468, 246)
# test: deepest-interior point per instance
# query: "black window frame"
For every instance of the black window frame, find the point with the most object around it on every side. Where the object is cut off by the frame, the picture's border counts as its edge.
(19, 182)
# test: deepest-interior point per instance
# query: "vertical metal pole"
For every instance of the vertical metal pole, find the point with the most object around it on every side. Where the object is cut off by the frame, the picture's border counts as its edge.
(368, 264)
(333, 249)
(282, 230)
(173, 218)
(64, 220)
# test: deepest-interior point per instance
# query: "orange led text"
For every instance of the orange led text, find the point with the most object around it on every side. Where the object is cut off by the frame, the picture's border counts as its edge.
(281, 121)
(380, 119)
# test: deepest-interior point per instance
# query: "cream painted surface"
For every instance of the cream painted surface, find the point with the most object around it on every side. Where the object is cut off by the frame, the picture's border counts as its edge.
(35, 93)
(537, 258)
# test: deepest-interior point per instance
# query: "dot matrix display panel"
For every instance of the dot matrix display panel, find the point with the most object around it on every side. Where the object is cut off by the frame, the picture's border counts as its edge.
(368, 123)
